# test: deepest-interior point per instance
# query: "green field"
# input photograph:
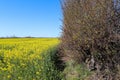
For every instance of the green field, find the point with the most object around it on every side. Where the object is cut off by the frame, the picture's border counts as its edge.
(20, 58)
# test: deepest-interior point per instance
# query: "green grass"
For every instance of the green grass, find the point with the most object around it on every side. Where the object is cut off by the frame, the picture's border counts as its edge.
(49, 69)
(75, 71)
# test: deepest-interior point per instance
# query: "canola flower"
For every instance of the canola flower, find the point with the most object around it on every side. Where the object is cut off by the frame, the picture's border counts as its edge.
(20, 57)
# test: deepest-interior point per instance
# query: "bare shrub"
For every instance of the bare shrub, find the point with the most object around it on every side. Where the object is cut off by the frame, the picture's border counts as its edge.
(91, 29)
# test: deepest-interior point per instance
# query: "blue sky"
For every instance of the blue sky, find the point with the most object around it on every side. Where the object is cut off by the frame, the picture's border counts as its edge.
(37, 18)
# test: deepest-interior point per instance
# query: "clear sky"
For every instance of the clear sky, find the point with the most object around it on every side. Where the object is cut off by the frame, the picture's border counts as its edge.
(37, 18)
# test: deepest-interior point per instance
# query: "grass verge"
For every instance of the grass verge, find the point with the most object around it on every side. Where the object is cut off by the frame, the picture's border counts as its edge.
(50, 70)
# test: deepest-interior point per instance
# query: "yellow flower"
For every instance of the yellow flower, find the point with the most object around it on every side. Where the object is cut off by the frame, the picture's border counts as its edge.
(37, 73)
(19, 77)
(9, 76)
(4, 69)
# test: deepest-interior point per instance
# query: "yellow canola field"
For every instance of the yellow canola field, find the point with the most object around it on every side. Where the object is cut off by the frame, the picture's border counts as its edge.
(20, 57)
(26, 47)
